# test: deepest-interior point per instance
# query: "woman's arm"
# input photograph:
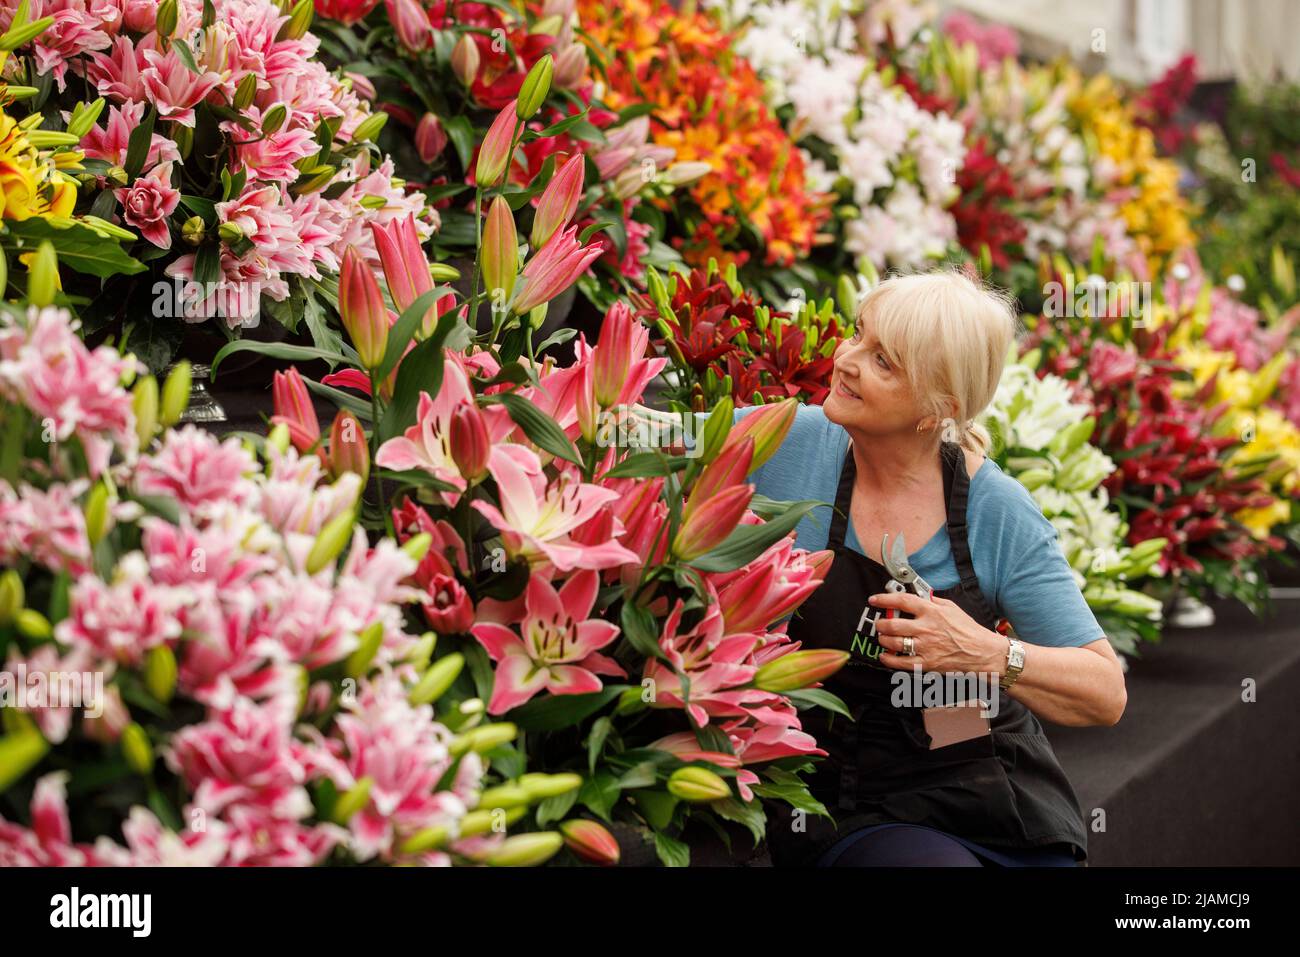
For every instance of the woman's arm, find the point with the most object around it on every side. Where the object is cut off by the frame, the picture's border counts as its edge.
(1082, 685)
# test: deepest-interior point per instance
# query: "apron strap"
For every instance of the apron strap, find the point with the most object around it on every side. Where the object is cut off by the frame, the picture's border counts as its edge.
(957, 488)
(843, 501)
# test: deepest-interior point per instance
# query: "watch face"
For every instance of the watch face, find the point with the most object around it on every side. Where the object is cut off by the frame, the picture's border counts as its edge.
(1017, 657)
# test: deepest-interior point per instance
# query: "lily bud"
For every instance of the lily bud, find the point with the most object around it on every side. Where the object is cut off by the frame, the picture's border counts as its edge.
(145, 405)
(32, 624)
(590, 841)
(349, 451)
(536, 87)
(697, 785)
(369, 128)
(84, 117)
(331, 541)
(503, 796)
(483, 738)
(500, 252)
(411, 24)
(729, 469)
(137, 749)
(43, 275)
(361, 307)
(368, 642)
(193, 231)
(433, 684)
(494, 154)
(230, 233)
(799, 669)
(559, 201)
(427, 839)
(683, 174)
(465, 59)
(165, 21)
(298, 23)
(1033, 478)
(97, 513)
(274, 118)
(20, 750)
(430, 138)
(470, 442)
(417, 546)
(768, 428)
(712, 522)
(12, 596)
(245, 90)
(527, 850)
(353, 800)
(160, 673)
(176, 394)
(570, 66)
(541, 786)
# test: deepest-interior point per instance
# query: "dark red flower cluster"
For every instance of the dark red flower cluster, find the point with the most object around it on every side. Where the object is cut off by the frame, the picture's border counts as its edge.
(1157, 107)
(1172, 473)
(715, 340)
(982, 218)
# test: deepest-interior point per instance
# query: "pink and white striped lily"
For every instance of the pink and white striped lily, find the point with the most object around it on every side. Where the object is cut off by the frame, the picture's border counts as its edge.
(427, 444)
(535, 518)
(559, 648)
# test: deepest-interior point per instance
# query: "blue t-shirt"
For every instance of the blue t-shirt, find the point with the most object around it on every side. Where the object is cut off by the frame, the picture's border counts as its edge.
(1014, 548)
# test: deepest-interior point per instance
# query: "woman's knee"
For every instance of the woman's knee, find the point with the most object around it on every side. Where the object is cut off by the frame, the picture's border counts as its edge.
(906, 847)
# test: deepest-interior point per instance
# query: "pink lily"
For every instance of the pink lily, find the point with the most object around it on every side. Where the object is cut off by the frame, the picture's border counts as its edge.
(554, 268)
(173, 89)
(427, 444)
(729, 469)
(559, 650)
(559, 201)
(719, 668)
(349, 451)
(770, 586)
(535, 518)
(293, 408)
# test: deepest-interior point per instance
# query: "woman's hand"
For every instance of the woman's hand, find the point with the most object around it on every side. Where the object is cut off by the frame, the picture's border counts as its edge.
(1077, 686)
(946, 638)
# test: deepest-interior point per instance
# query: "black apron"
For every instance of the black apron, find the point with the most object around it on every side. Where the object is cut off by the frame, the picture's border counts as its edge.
(1004, 790)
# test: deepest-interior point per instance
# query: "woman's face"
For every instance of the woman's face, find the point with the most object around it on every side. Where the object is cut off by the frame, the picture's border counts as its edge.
(868, 392)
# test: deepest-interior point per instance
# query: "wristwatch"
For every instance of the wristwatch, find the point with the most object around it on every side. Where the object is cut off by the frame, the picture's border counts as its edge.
(1015, 663)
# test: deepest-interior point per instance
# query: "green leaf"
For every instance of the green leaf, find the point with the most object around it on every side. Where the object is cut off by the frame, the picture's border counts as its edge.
(205, 209)
(639, 776)
(78, 246)
(647, 464)
(810, 697)
(323, 335)
(599, 793)
(344, 400)
(640, 630)
(276, 350)
(656, 806)
(672, 852)
(421, 371)
(538, 426)
(137, 145)
(461, 133)
(796, 795)
(185, 54)
(401, 332)
(556, 711)
(747, 542)
(554, 808)
(594, 228)
(207, 264)
(600, 729)
(748, 813)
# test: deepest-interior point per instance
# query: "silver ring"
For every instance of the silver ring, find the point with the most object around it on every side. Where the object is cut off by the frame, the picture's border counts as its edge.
(909, 645)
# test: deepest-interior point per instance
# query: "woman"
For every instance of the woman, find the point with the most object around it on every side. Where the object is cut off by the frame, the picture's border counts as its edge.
(896, 448)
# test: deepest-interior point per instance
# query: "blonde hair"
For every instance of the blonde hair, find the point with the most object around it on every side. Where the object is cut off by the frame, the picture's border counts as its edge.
(950, 335)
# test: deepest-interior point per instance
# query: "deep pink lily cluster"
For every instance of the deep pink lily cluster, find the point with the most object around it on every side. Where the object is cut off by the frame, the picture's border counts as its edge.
(267, 94)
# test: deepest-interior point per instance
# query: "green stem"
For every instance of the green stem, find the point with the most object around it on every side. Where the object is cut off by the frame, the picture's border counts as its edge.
(374, 453)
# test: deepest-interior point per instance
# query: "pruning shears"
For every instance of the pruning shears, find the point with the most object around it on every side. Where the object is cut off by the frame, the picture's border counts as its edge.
(902, 575)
